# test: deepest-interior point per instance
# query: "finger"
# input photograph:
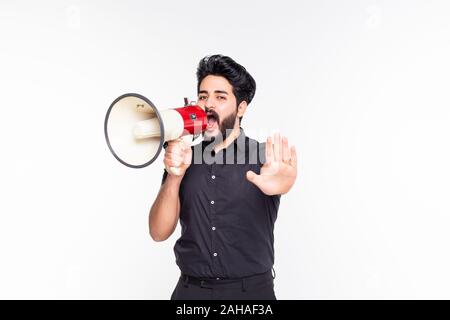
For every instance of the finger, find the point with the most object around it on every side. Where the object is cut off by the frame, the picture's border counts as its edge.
(175, 145)
(174, 156)
(277, 147)
(187, 159)
(182, 145)
(178, 148)
(172, 163)
(293, 160)
(177, 151)
(285, 152)
(253, 177)
(174, 171)
(269, 150)
(280, 148)
(173, 148)
(173, 142)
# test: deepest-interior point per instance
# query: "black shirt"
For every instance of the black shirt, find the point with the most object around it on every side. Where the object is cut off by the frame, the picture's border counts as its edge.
(227, 222)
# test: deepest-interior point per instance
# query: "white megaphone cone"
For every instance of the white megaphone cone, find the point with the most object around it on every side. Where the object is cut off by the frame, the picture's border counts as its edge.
(136, 131)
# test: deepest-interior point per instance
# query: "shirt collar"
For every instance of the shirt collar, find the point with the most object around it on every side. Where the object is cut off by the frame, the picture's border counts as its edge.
(240, 141)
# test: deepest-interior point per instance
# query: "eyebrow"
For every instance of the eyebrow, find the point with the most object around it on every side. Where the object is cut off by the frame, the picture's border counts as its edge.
(216, 91)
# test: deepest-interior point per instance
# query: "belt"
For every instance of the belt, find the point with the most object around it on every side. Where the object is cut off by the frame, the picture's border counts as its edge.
(245, 282)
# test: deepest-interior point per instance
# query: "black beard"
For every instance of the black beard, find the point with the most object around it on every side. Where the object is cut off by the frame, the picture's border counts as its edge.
(225, 126)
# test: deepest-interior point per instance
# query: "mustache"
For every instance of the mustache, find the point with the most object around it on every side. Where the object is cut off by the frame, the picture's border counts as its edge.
(211, 114)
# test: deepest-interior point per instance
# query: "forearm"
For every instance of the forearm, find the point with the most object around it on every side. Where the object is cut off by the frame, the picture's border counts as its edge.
(164, 212)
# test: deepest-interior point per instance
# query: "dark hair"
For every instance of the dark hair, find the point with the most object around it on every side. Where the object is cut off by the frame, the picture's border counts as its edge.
(244, 86)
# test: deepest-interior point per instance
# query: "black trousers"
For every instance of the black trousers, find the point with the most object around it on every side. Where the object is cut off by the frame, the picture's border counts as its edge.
(257, 287)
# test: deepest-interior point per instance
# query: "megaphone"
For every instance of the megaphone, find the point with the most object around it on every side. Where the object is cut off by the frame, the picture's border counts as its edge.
(136, 131)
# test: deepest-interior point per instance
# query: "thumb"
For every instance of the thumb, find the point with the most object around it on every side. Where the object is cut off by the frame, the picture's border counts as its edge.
(252, 177)
(187, 157)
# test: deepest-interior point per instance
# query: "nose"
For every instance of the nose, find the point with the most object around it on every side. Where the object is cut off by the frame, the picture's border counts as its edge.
(209, 104)
(207, 109)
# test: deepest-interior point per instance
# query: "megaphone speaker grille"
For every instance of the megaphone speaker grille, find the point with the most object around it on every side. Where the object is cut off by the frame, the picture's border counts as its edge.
(120, 126)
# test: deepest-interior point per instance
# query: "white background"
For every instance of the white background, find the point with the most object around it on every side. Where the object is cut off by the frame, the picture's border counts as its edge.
(360, 87)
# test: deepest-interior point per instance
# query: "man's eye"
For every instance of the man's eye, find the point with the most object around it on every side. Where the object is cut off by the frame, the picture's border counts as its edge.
(221, 98)
(201, 98)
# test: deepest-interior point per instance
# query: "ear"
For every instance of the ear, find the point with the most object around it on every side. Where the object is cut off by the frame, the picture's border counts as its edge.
(241, 108)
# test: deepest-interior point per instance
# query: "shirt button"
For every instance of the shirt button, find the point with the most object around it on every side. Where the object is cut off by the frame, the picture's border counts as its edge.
(213, 228)
(212, 201)
(213, 177)
(215, 254)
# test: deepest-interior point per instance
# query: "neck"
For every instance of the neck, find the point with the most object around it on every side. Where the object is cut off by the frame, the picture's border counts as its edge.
(228, 140)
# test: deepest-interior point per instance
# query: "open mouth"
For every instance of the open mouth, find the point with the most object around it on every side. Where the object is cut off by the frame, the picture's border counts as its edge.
(213, 118)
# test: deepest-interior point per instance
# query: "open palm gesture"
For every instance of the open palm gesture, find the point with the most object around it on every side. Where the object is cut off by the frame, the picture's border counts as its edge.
(279, 172)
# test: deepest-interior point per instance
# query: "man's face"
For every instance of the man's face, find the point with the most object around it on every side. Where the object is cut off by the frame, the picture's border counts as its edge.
(216, 96)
